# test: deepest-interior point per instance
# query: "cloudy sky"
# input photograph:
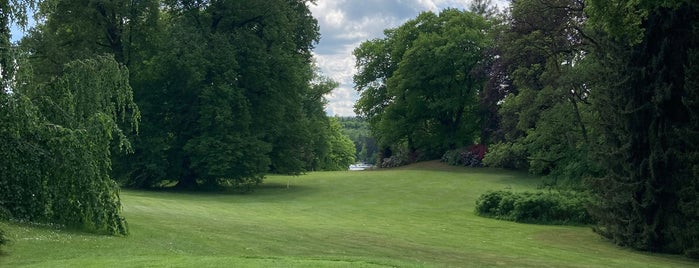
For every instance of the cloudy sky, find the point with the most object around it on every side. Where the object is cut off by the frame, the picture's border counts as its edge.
(344, 24)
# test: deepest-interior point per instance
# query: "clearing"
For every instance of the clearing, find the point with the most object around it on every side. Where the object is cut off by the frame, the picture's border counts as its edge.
(416, 216)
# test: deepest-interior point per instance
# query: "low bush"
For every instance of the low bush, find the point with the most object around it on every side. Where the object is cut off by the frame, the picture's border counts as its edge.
(470, 157)
(507, 155)
(396, 160)
(538, 207)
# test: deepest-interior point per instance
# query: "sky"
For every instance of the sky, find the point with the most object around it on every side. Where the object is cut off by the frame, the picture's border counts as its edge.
(344, 24)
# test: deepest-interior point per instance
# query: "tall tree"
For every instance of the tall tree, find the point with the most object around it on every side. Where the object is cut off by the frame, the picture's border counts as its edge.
(55, 155)
(646, 96)
(228, 95)
(419, 86)
(547, 111)
(329, 148)
(10, 11)
(81, 29)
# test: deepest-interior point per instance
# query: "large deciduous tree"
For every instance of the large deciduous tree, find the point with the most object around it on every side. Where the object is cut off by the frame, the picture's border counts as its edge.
(547, 112)
(229, 95)
(419, 85)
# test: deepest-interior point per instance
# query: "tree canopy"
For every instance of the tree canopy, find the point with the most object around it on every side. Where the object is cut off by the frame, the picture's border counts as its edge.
(419, 85)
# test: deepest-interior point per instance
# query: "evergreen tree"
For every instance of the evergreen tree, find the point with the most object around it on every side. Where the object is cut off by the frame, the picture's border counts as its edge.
(647, 103)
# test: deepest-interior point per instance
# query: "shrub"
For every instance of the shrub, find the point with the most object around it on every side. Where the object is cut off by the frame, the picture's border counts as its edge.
(539, 207)
(470, 157)
(489, 203)
(451, 157)
(506, 155)
(396, 160)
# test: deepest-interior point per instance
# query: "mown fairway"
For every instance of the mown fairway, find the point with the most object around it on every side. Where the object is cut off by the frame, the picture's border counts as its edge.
(419, 216)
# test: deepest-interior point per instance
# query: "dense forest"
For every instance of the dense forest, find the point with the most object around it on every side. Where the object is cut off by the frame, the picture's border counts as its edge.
(598, 97)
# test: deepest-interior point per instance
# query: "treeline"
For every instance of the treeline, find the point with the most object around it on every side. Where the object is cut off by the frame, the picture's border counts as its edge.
(199, 94)
(598, 96)
(357, 129)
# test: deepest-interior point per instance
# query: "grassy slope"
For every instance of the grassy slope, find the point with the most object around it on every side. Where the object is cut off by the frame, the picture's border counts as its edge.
(419, 216)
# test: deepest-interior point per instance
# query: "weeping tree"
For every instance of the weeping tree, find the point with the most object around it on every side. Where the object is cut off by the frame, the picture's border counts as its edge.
(56, 138)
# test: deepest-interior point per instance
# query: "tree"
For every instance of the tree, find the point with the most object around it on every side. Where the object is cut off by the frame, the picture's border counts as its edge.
(55, 152)
(73, 30)
(342, 154)
(419, 86)
(228, 95)
(646, 96)
(547, 109)
(10, 11)
(329, 147)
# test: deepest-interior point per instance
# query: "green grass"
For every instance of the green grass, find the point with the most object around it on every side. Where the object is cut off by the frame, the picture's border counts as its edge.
(418, 216)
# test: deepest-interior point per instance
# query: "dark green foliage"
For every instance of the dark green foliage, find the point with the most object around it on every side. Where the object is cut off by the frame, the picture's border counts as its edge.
(647, 101)
(419, 85)
(229, 93)
(470, 157)
(545, 114)
(227, 88)
(359, 132)
(539, 207)
(55, 155)
(511, 155)
(342, 153)
(452, 157)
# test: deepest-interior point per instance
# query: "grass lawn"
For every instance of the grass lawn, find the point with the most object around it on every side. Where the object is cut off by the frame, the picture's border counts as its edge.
(416, 216)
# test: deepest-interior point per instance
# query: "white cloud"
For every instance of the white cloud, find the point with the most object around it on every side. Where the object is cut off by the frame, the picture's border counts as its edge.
(334, 18)
(339, 67)
(341, 101)
(428, 5)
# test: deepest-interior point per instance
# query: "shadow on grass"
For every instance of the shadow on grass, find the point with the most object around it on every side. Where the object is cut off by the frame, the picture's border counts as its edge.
(436, 165)
(265, 192)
